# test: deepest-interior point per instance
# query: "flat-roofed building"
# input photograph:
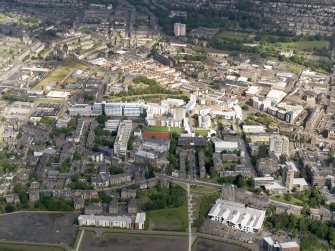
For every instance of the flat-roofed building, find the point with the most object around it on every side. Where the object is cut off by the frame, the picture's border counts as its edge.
(112, 125)
(106, 221)
(263, 181)
(132, 110)
(113, 109)
(122, 137)
(272, 245)
(279, 145)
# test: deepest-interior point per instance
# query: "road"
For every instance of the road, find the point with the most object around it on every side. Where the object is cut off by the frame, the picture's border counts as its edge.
(190, 182)
(100, 231)
(189, 208)
(80, 239)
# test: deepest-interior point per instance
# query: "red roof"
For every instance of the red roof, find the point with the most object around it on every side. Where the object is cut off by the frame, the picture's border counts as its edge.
(156, 135)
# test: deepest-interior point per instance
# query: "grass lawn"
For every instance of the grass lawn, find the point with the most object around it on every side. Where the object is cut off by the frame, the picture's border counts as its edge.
(202, 132)
(234, 35)
(293, 68)
(28, 247)
(50, 100)
(293, 201)
(304, 45)
(168, 219)
(162, 129)
(203, 190)
(60, 72)
(300, 47)
(210, 180)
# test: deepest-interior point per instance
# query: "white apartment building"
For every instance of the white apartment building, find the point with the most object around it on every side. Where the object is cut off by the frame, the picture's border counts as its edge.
(179, 29)
(154, 109)
(173, 102)
(279, 145)
(106, 221)
(122, 137)
(204, 122)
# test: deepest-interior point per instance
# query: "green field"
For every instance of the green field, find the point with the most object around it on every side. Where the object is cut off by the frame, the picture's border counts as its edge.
(168, 219)
(162, 129)
(234, 35)
(303, 45)
(203, 133)
(50, 100)
(293, 68)
(293, 201)
(203, 190)
(60, 72)
(28, 247)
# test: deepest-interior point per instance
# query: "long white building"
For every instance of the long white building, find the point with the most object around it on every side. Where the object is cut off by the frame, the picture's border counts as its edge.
(134, 221)
(122, 137)
(237, 215)
(109, 109)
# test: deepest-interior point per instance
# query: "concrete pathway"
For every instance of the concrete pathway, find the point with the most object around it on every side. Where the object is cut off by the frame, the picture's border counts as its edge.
(80, 239)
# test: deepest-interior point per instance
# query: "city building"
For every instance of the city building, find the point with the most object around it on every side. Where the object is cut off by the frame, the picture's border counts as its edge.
(122, 137)
(93, 209)
(179, 30)
(237, 215)
(272, 245)
(107, 221)
(288, 176)
(140, 220)
(132, 206)
(113, 207)
(279, 145)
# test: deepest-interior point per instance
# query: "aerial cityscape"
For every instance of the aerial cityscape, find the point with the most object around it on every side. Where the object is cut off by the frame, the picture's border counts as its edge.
(158, 125)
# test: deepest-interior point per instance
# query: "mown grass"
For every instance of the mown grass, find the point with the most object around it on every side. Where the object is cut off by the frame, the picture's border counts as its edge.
(168, 219)
(60, 72)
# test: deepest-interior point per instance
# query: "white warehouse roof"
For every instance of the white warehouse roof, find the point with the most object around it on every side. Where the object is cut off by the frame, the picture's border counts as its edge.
(237, 215)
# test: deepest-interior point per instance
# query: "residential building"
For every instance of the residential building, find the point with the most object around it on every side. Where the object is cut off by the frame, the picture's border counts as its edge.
(267, 166)
(227, 146)
(106, 221)
(34, 196)
(122, 137)
(78, 203)
(113, 207)
(204, 122)
(93, 209)
(128, 193)
(279, 145)
(288, 176)
(121, 178)
(190, 142)
(179, 29)
(140, 220)
(132, 206)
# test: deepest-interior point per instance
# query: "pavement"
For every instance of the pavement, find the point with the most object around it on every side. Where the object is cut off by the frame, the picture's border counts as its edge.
(80, 239)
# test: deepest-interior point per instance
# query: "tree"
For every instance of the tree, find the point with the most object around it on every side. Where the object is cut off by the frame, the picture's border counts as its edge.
(288, 197)
(319, 228)
(331, 237)
(309, 242)
(240, 182)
